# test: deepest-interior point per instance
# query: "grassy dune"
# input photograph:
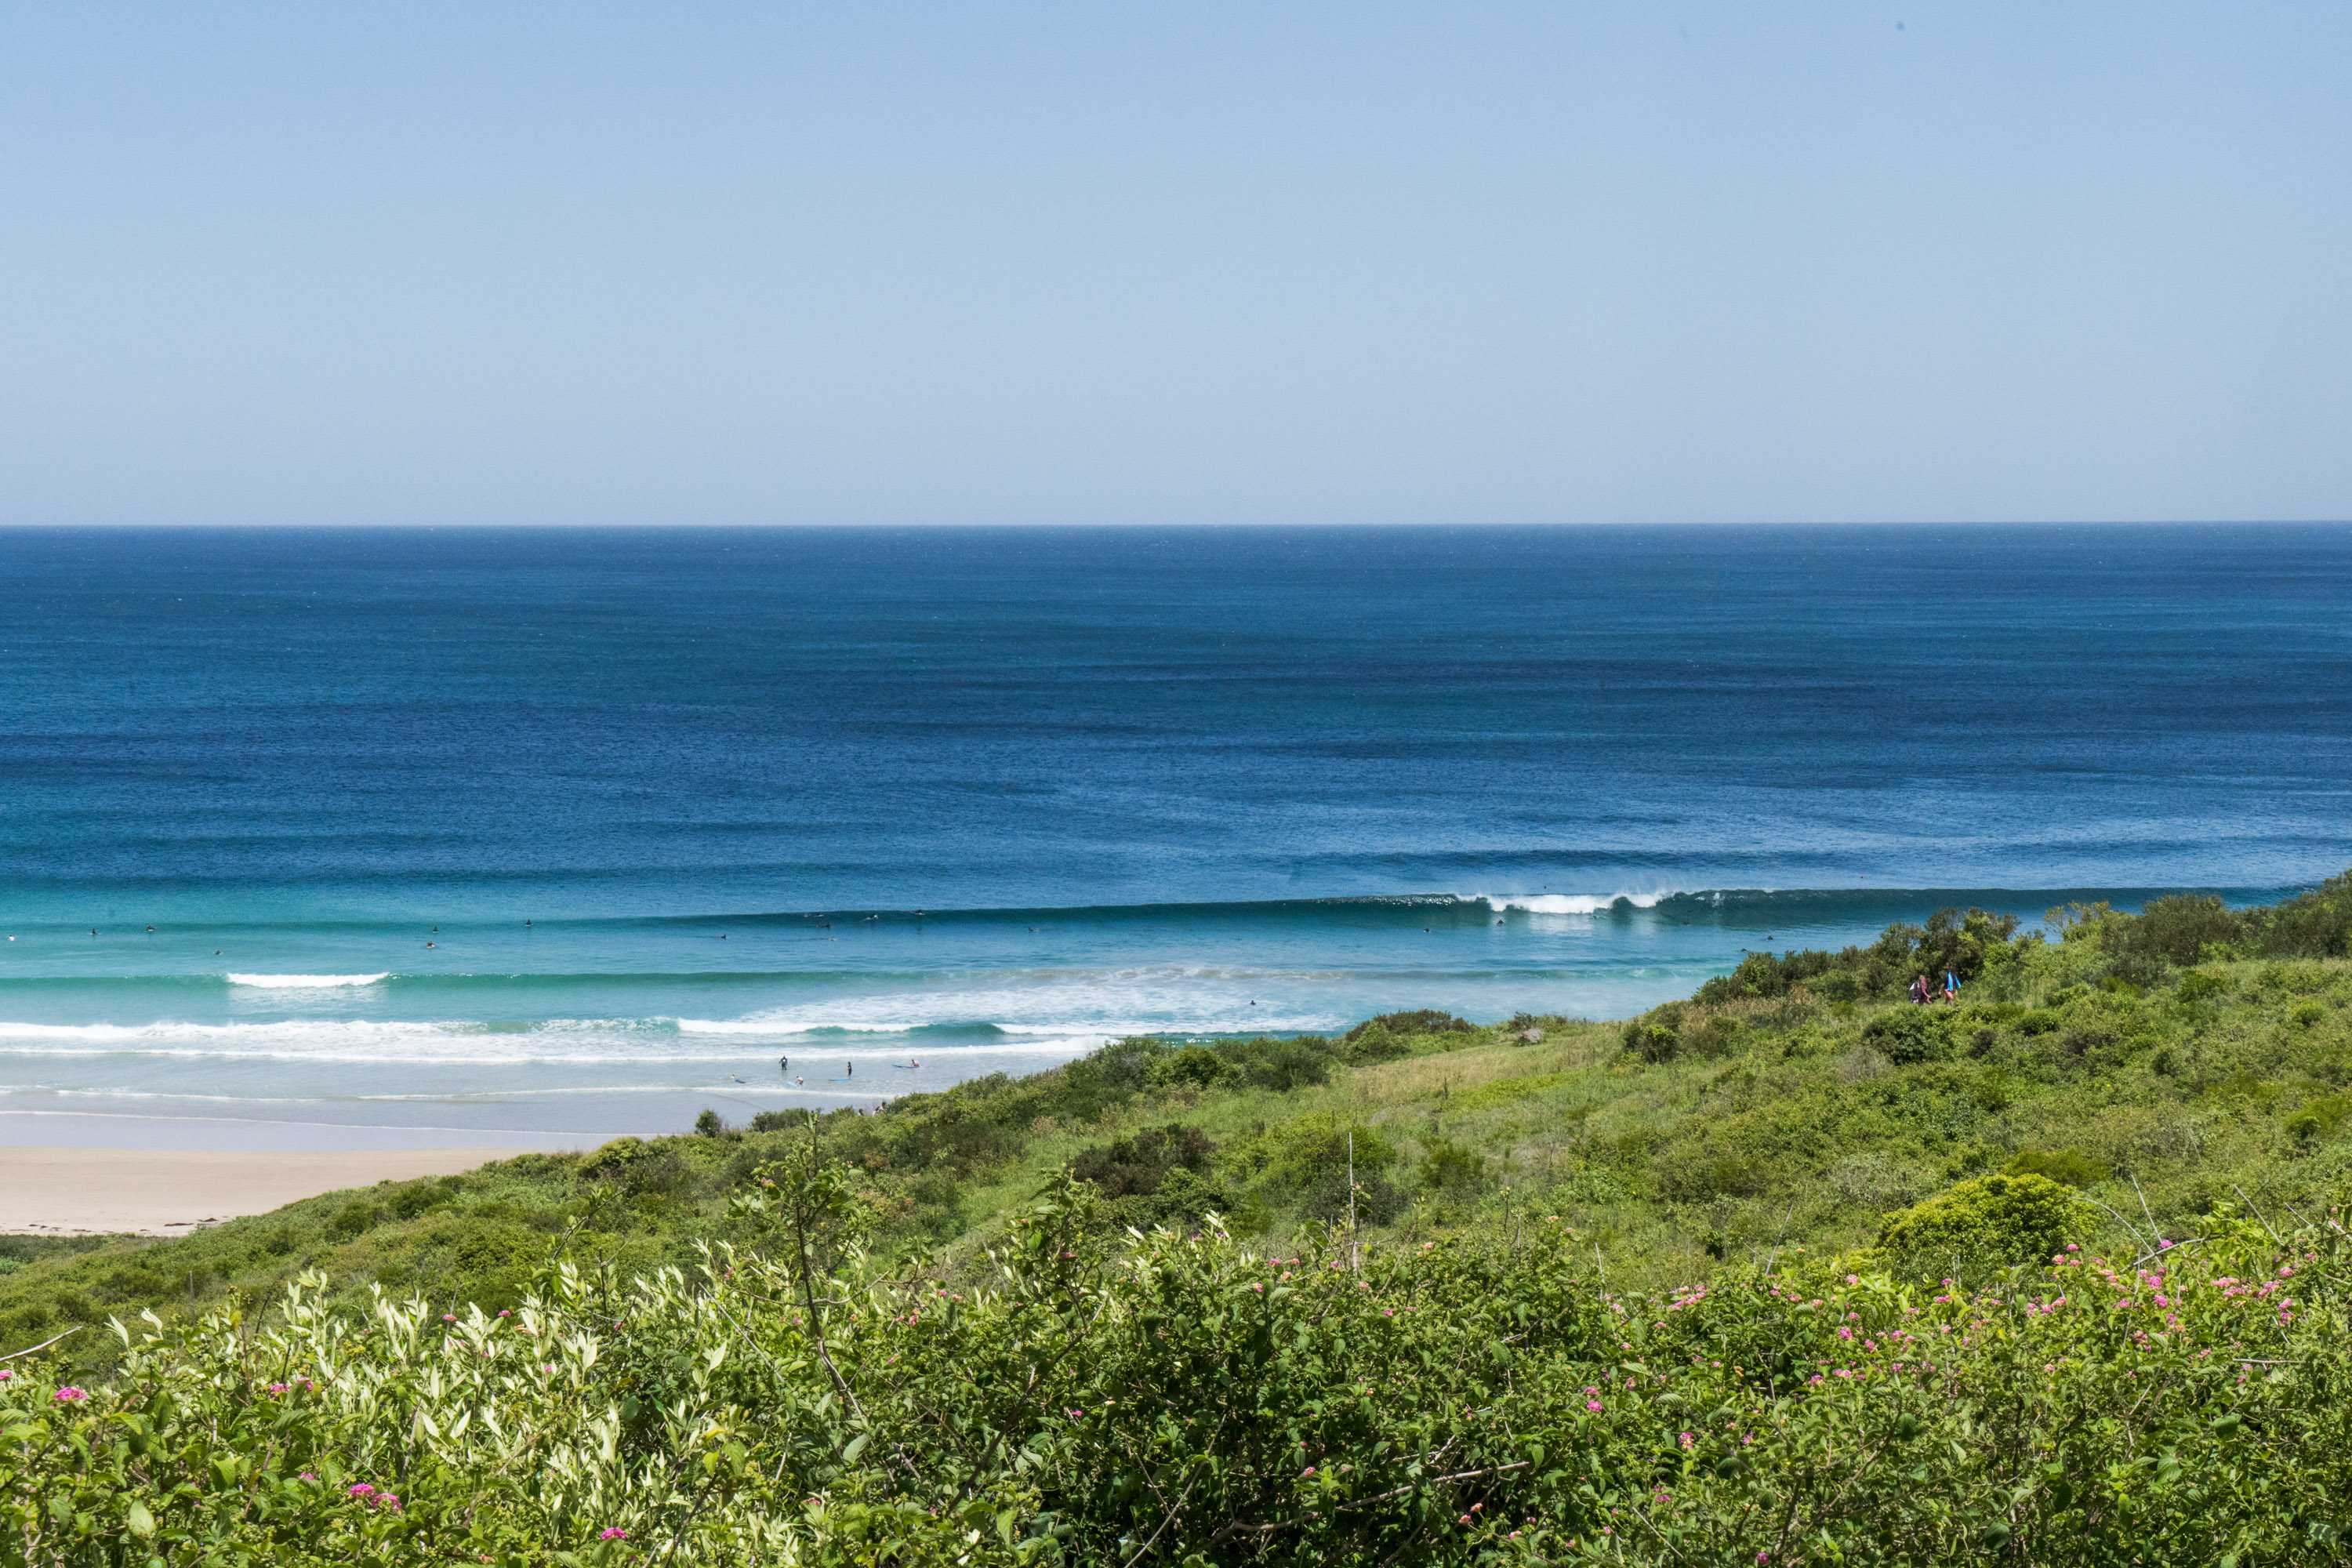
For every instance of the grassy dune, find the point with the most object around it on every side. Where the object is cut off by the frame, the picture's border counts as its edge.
(1794, 1267)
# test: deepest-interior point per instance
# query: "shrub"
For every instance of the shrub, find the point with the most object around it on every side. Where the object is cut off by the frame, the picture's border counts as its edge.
(1764, 975)
(1194, 1066)
(1448, 1166)
(1423, 1021)
(1965, 941)
(353, 1218)
(2173, 931)
(1656, 1035)
(637, 1169)
(1987, 1222)
(1391, 1034)
(808, 1409)
(1839, 986)
(1140, 1162)
(1913, 1033)
(1303, 1164)
(2200, 987)
(2318, 924)
(2318, 1118)
(2071, 1167)
(1280, 1065)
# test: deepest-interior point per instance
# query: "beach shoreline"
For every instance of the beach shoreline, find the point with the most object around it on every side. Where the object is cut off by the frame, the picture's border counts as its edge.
(70, 1190)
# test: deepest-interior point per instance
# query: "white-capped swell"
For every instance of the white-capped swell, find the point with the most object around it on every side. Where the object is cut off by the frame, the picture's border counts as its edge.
(1172, 1000)
(1570, 903)
(306, 981)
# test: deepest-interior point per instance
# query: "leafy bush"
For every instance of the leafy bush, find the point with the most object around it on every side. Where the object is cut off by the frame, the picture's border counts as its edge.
(1988, 1222)
(1393, 1035)
(1280, 1065)
(1448, 1166)
(1913, 1033)
(1194, 1067)
(1139, 1163)
(2319, 1118)
(1965, 942)
(1762, 975)
(1409, 1025)
(1485, 1401)
(1305, 1163)
(2071, 1167)
(1656, 1035)
(2318, 924)
(2200, 987)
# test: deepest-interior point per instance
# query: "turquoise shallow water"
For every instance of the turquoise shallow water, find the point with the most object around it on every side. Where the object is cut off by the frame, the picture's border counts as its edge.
(666, 805)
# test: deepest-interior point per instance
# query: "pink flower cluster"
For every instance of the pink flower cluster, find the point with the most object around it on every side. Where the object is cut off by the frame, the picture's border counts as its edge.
(375, 1497)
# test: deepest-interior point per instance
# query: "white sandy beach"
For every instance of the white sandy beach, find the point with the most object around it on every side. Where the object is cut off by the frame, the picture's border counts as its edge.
(64, 1191)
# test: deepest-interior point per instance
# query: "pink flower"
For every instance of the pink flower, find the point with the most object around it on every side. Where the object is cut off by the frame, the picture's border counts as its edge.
(71, 1394)
(305, 1476)
(277, 1388)
(1593, 1405)
(612, 1532)
(1688, 1441)
(362, 1489)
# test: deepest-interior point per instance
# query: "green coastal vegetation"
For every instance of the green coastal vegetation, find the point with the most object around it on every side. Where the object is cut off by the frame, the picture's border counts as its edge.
(1793, 1271)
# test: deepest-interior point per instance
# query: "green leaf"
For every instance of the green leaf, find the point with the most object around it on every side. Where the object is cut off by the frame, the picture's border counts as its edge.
(137, 1520)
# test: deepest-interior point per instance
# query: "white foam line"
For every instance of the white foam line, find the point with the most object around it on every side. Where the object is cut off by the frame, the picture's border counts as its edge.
(305, 982)
(1075, 1045)
(1570, 903)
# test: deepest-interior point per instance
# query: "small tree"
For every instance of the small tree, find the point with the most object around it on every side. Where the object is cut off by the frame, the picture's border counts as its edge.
(821, 1219)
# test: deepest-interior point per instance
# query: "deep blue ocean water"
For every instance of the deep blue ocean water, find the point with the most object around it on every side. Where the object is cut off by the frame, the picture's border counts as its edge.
(665, 804)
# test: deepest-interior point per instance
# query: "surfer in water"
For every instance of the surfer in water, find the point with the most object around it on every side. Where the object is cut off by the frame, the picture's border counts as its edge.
(783, 1064)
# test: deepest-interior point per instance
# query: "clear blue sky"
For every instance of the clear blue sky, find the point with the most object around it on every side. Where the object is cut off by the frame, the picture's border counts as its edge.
(1347, 262)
